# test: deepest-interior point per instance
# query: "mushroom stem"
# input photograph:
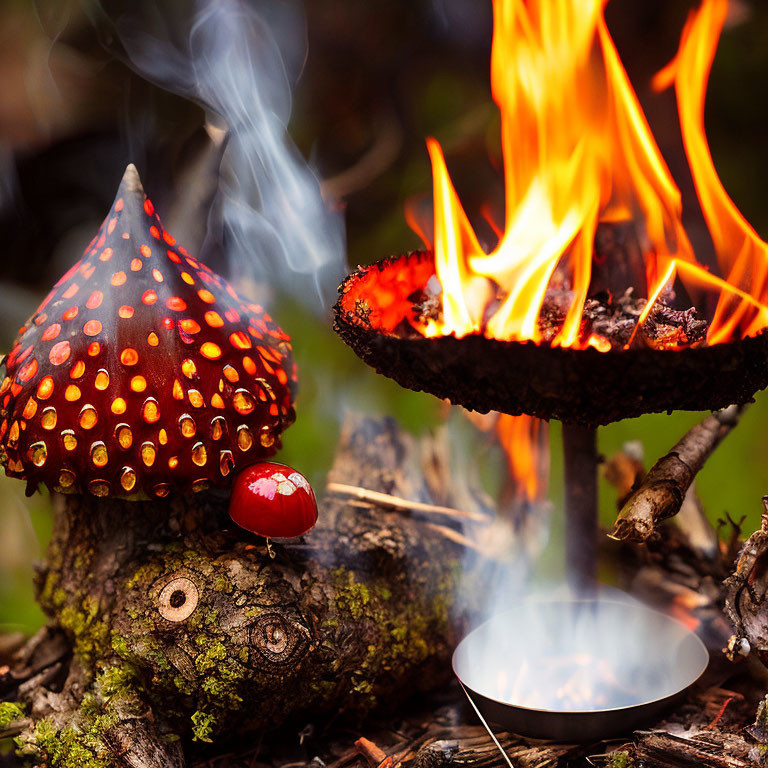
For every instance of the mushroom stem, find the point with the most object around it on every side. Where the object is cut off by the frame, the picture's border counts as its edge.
(180, 627)
(581, 459)
(93, 538)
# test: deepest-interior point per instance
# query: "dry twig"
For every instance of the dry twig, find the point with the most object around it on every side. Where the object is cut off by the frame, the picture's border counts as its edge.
(403, 505)
(662, 492)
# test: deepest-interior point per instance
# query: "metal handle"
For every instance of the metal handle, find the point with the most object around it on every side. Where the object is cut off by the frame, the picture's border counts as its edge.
(486, 726)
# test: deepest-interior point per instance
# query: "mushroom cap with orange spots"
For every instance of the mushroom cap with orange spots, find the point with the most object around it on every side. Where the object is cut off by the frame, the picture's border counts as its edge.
(143, 371)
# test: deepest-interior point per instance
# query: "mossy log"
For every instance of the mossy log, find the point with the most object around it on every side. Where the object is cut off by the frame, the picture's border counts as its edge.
(182, 629)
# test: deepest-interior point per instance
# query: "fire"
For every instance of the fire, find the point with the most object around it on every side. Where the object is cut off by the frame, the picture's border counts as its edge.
(578, 153)
(742, 256)
(525, 441)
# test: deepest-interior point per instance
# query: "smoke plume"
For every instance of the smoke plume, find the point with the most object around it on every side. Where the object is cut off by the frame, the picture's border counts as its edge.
(237, 62)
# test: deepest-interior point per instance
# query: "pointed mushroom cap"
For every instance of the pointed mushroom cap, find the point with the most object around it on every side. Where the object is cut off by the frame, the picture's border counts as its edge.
(143, 371)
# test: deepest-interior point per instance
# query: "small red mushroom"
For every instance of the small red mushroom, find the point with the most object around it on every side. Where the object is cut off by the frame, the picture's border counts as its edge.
(143, 371)
(273, 500)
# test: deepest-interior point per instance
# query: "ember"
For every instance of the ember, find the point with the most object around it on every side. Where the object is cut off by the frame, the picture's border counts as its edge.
(607, 322)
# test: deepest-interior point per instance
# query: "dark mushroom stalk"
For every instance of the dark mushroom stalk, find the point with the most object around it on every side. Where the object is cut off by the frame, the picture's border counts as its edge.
(382, 306)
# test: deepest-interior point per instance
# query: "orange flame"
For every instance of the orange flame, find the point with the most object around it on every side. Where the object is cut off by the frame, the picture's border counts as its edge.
(525, 440)
(578, 151)
(742, 256)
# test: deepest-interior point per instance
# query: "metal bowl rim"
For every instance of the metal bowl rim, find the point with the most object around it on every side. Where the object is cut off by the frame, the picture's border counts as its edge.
(583, 712)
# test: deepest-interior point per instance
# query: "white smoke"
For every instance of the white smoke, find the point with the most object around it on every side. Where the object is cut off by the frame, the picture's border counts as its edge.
(566, 655)
(235, 61)
(531, 641)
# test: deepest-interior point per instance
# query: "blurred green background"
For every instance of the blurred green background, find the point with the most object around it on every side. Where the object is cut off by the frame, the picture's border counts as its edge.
(379, 77)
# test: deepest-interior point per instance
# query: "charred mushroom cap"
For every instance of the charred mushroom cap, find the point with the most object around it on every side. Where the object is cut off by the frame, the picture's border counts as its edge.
(142, 370)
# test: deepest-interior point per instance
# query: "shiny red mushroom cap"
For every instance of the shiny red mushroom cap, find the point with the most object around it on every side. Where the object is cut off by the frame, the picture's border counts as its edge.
(273, 500)
(143, 370)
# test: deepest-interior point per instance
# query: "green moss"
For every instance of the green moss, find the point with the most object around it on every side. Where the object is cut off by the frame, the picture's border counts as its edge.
(9, 712)
(211, 617)
(219, 679)
(324, 688)
(620, 759)
(195, 620)
(207, 660)
(66, 748)
(49, 585)
(80, 744)
(90, 706)
(83, 560)
(351, 596)
(221, 688)
(203, 725)
(116, 680)
(90, 634)
(199, 562)
(145, 574)
(222, 584)
(362, 686)
(120, 645)
(183, 685)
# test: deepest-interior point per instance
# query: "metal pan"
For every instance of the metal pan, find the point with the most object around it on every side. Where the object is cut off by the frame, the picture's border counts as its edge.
(640, 643)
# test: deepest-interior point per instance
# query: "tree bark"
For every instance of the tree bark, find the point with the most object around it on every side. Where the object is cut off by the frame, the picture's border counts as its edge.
(185, 629)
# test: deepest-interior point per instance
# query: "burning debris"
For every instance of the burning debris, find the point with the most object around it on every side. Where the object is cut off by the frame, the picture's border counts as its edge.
(609, 322)
(375, 316)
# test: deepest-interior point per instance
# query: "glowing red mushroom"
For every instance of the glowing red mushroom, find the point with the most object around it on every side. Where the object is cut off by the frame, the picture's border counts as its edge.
(273, 500)
(143, 371)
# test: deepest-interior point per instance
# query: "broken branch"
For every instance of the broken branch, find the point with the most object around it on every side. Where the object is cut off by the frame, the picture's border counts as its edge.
(661, 494)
